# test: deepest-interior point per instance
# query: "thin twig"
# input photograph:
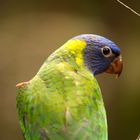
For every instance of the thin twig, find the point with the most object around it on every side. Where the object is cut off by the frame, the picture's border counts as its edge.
(128, 8)
(138, 138)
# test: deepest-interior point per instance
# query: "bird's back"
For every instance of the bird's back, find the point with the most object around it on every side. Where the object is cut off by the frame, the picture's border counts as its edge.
(60, 103)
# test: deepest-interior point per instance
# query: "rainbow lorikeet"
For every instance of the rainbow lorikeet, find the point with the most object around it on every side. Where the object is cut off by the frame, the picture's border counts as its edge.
(63, 100)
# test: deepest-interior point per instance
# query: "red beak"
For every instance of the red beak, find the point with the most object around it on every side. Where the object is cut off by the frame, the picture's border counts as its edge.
(116, 66)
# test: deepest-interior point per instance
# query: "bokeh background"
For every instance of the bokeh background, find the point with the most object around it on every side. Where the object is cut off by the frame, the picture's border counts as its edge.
(30, 30)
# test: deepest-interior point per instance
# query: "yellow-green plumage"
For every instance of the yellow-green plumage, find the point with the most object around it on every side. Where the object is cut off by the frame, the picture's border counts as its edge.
(63, 101)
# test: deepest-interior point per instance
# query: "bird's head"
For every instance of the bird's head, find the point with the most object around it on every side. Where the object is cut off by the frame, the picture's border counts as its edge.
(101, 54)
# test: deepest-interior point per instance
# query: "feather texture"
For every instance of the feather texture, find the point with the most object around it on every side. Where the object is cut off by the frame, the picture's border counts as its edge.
(63, 101)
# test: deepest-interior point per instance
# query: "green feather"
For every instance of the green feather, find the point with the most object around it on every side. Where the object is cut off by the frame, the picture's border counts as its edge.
(63, 101)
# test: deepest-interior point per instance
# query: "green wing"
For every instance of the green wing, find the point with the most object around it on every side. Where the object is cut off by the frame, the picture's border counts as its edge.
(60, 103)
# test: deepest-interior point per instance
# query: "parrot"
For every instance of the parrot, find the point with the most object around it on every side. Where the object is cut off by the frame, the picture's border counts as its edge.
(63, 101)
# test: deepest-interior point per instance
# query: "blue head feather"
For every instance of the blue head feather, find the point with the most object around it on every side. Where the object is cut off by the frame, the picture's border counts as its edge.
(93, 56)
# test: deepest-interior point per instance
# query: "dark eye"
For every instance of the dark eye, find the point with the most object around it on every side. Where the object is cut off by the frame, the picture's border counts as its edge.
(106, 51)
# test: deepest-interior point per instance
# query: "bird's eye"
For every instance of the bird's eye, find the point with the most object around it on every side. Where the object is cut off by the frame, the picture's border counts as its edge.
(106, 51)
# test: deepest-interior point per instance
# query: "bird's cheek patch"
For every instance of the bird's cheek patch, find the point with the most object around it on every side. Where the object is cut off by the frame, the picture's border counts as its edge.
(116, 66)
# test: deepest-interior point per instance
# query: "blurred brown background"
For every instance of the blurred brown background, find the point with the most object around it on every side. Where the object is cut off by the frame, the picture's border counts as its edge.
(31, 30)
